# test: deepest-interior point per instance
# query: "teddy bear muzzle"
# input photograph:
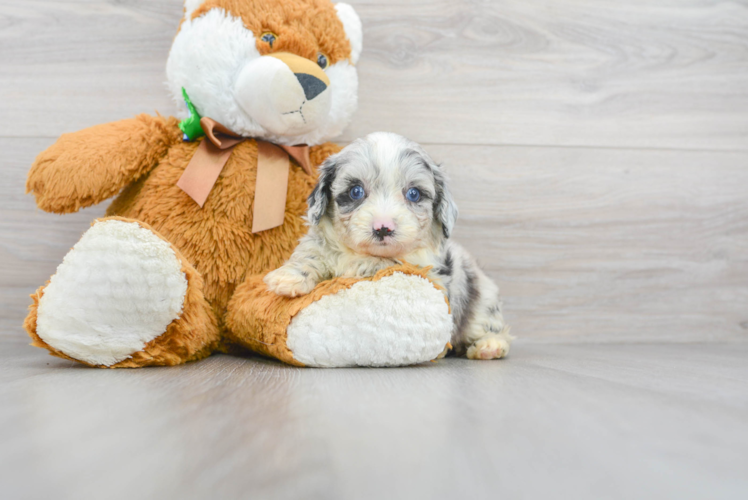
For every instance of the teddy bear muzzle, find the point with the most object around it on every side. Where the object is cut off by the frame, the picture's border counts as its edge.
(285, 93)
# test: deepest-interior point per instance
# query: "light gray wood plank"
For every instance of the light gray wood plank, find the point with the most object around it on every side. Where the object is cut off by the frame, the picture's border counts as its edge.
(668, 74)
(608, 245)
(586, 244)
(594, 73)
(32, 242)
(69, 65)
(551, 421)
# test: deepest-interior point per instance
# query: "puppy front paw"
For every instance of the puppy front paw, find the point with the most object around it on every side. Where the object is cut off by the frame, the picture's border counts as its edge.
(289, 282)
(489, 347)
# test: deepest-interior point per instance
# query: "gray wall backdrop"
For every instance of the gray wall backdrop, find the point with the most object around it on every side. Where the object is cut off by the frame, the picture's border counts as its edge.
(598, 150)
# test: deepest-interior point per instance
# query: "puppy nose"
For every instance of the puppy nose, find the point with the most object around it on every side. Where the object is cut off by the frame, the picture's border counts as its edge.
(312, 85)
(383, 228)
(382, 232)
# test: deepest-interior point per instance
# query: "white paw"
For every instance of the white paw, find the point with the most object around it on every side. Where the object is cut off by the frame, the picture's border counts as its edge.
(118, 288)
(489, 347)
(289, 282)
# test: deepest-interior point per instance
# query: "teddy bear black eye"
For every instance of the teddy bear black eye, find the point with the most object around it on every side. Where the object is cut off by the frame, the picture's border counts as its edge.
(322, 61)
(269, 38)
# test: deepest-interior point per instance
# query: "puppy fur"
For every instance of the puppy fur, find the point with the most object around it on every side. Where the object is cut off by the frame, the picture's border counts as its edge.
(364, 216)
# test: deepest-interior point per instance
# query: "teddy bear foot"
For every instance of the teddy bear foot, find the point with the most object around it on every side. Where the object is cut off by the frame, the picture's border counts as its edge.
(396, 318)
(116, 291)
(415, 328)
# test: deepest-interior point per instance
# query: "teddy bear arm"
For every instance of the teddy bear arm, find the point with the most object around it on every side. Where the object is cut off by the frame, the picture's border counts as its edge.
(94, 164)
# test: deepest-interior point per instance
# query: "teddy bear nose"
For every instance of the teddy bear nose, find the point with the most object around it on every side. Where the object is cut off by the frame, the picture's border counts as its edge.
(312, 85)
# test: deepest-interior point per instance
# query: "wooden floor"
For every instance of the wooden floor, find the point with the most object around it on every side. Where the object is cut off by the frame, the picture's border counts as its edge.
(598, 151)
(552, 421)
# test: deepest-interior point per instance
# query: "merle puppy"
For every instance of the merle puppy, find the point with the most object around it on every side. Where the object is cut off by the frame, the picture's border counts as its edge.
(382, 201)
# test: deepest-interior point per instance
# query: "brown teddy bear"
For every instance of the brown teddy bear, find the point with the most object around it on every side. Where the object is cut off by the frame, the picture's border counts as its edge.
(204, 206)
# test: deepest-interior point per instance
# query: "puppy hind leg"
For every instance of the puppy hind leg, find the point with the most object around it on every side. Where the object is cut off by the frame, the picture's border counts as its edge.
(487, 335)
(491, 346)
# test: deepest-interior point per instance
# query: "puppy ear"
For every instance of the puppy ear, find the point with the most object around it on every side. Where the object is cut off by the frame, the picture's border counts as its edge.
(445, 209)
(322, 194)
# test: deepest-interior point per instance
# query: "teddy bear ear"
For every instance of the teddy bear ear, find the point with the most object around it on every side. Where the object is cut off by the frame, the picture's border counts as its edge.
(353, 29)
(190, 6)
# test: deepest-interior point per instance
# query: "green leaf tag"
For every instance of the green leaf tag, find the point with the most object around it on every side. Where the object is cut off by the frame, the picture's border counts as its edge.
(191, 126)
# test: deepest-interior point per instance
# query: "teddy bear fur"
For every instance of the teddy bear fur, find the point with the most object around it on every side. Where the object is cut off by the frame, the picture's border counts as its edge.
(141, 159)
(268, 316)
(214, 242)
(226, 306)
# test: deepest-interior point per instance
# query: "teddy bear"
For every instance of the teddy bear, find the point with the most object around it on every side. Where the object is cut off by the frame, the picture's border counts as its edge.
(207, 202)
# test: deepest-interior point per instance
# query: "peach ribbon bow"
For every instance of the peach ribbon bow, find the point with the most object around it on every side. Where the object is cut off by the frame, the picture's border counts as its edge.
(273, 164)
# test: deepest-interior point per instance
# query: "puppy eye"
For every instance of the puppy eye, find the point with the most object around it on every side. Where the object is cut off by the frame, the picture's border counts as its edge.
(269, 38)
(357, 192)
(322, 61)
(413, 195)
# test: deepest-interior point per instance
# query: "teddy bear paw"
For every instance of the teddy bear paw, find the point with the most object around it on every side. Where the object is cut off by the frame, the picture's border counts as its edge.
(118, 288)
(397, 320)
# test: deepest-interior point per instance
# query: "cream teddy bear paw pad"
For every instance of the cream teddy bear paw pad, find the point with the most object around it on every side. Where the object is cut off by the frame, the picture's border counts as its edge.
(395, 321)
(118, 288)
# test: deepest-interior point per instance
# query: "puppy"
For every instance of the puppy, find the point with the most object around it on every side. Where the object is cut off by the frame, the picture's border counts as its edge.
(383, 201)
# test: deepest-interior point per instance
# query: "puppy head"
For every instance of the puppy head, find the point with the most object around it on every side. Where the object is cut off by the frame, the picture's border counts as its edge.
(383, 196)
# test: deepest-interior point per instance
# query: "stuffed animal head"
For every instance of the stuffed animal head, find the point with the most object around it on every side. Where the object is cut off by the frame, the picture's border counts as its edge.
(283, 71)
